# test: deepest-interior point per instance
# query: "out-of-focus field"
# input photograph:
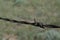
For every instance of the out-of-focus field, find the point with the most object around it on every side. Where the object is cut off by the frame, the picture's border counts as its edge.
(45, 11)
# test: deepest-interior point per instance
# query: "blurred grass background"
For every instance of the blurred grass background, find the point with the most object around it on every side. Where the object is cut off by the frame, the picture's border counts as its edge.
(46, 11)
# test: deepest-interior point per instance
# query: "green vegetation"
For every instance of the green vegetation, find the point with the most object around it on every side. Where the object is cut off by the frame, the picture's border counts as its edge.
(46, 11)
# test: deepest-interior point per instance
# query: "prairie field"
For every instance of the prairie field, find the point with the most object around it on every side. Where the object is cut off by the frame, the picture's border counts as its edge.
(45, 11)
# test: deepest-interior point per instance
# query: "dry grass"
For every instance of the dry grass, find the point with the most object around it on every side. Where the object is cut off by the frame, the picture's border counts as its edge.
(46, 11)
